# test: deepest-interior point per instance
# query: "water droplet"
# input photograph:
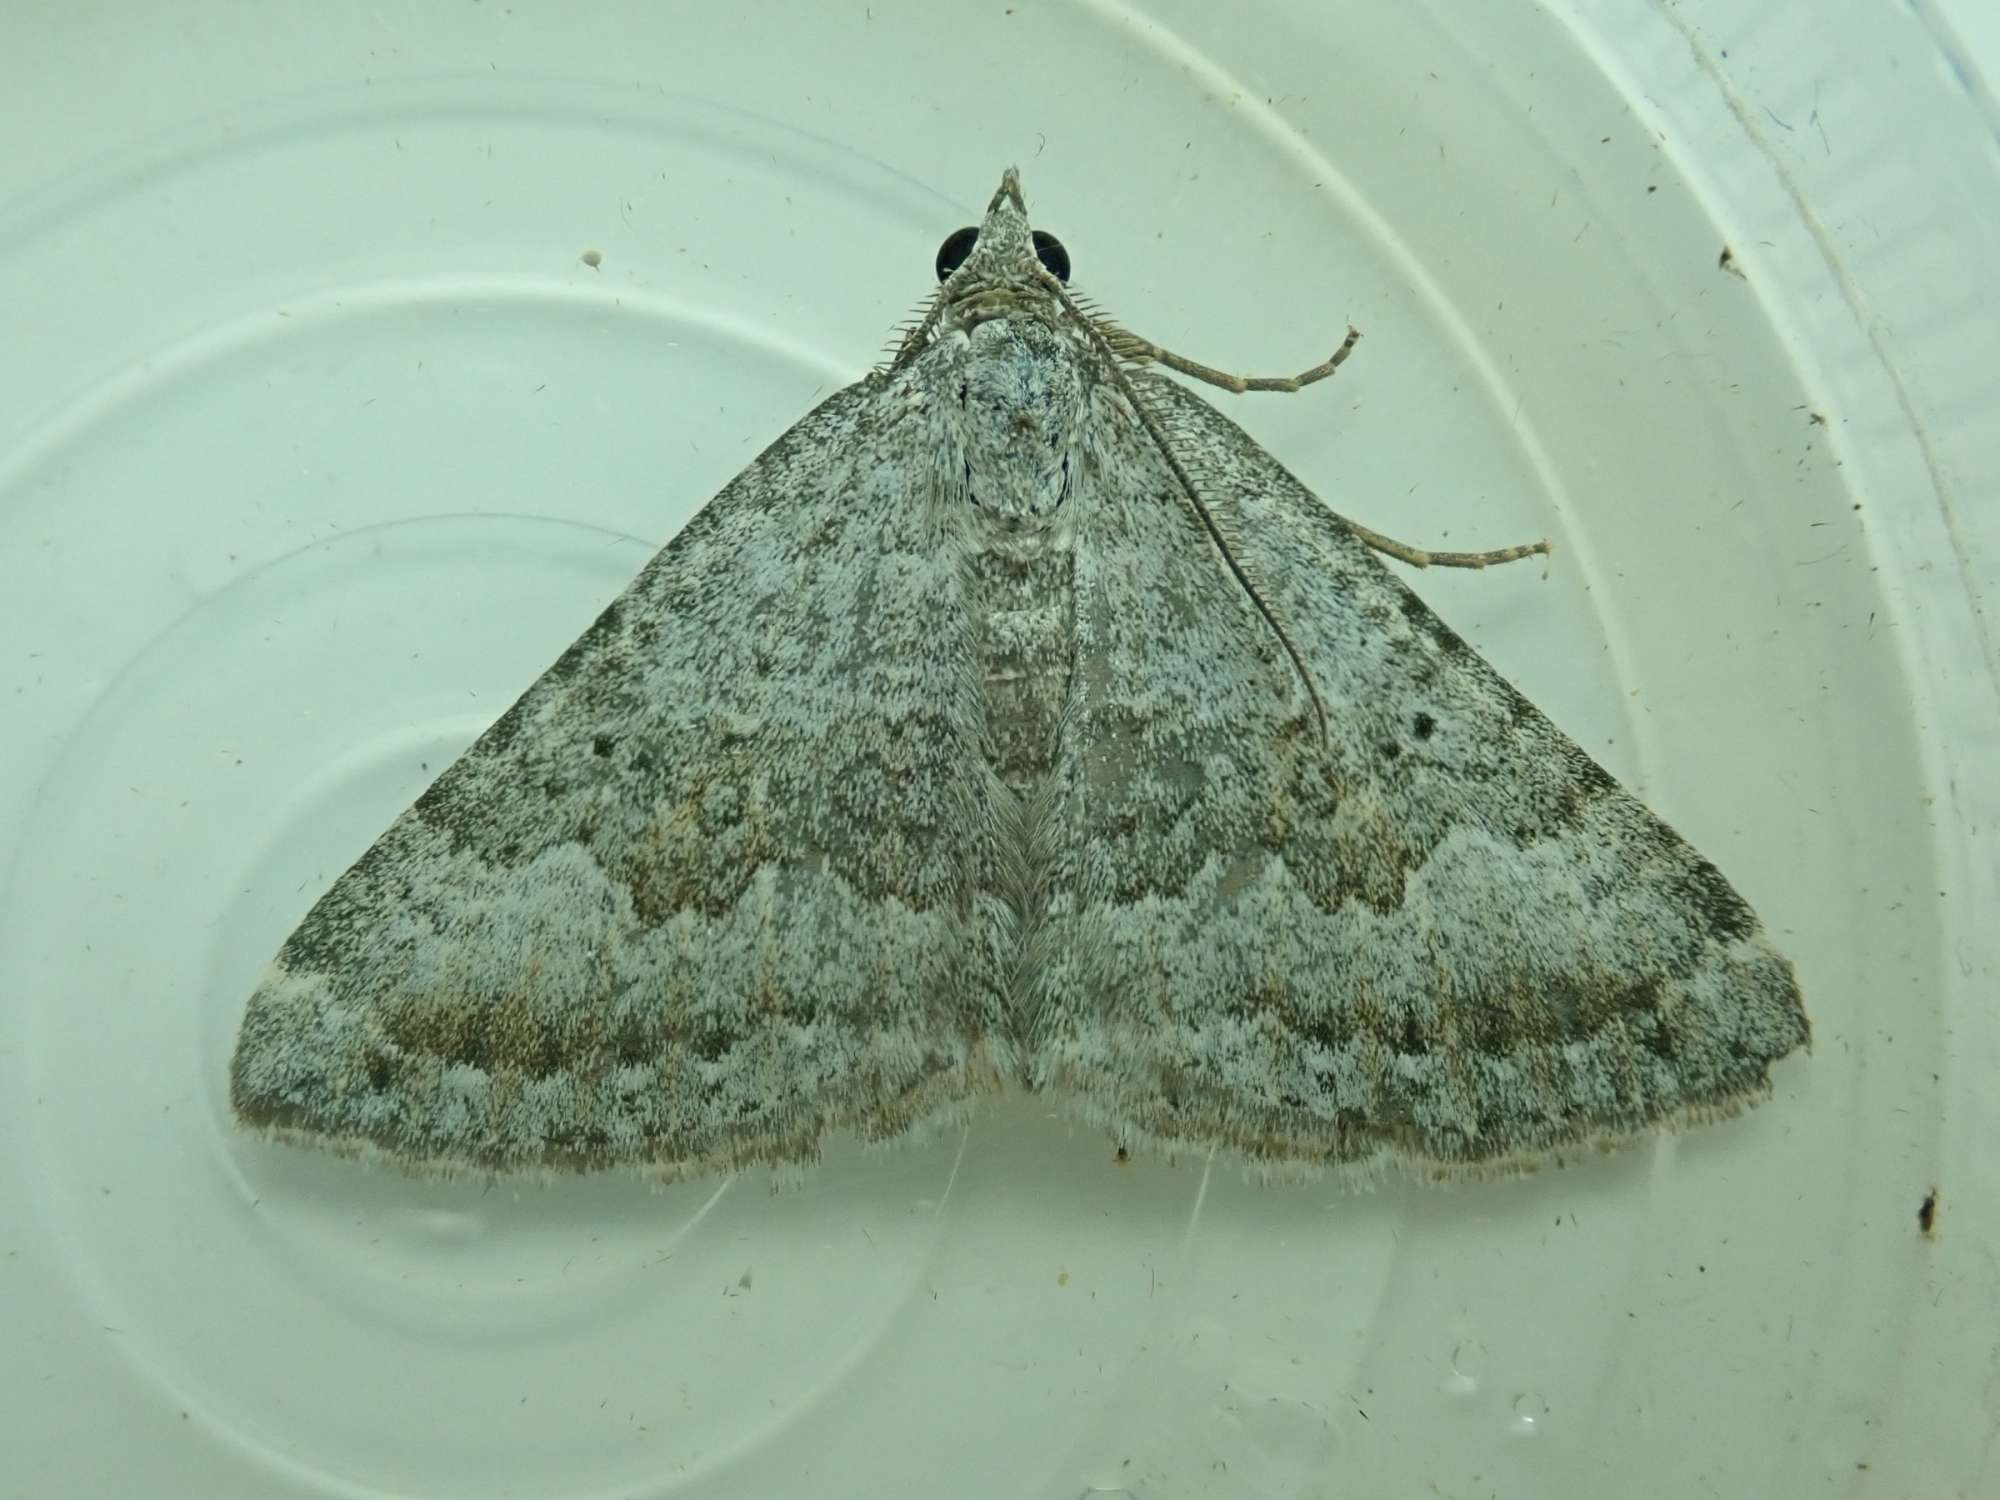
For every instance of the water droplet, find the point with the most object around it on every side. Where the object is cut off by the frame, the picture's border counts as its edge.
(1530, 1412)
(1468, 1359)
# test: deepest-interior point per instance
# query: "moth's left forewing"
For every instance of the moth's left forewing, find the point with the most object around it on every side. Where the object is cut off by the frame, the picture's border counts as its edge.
(1441, 935)
(1180, 749)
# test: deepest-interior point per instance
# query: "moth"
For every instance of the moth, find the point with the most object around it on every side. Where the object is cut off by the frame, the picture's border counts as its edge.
(1014, 721)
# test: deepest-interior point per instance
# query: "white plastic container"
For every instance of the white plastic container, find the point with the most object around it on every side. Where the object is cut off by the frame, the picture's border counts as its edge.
(354, 360)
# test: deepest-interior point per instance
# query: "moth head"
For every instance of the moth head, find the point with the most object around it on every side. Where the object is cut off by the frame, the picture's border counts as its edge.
(1002, 253)
(998, 268)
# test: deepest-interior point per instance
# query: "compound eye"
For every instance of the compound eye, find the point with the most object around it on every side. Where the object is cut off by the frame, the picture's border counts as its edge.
(952, 253)
(1055, 260)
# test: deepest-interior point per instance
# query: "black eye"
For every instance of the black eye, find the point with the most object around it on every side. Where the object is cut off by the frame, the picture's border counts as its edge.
(1055, 260)
(952, 253)
(958, 245)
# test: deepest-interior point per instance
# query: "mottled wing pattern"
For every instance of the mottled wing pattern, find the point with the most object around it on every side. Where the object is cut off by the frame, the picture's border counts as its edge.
(704, 892)
(1448, 939)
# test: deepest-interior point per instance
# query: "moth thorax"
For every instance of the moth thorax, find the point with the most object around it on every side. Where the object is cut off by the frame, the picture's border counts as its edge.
(1021, 396)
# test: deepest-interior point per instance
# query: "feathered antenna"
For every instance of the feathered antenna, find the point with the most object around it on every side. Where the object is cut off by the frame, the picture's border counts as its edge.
(1124, 348)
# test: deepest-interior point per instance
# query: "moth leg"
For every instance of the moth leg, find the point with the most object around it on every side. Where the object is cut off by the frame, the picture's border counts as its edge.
(1131, 346)
(1419, 557)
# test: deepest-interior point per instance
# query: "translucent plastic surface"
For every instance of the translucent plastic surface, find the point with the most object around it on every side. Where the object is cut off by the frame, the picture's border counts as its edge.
(354, 361)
